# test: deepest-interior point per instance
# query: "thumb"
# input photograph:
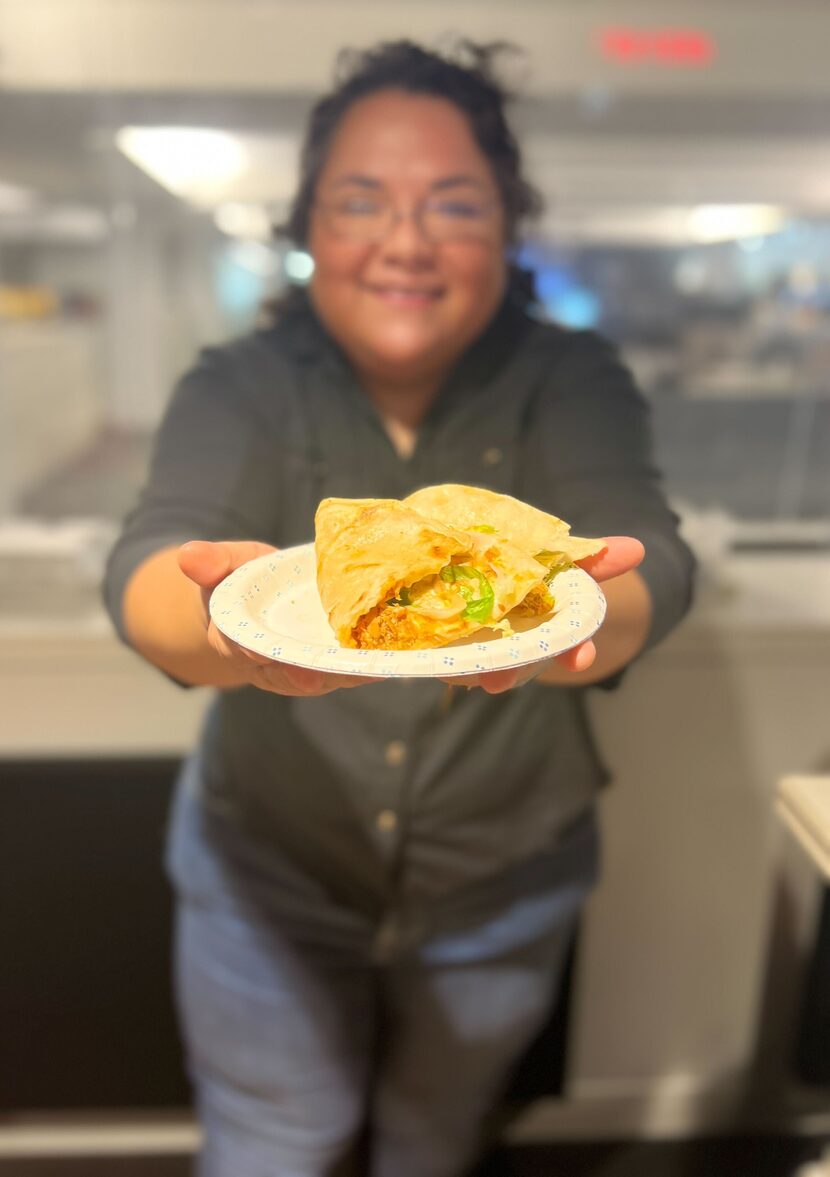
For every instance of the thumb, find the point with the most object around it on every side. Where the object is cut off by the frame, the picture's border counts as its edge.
(620, 554)
(206, 564)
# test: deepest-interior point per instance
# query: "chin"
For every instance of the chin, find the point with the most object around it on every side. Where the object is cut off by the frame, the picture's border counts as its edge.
(416, 348)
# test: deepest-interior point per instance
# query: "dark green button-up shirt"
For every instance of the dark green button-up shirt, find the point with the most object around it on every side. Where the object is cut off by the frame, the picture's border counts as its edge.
(403, 790)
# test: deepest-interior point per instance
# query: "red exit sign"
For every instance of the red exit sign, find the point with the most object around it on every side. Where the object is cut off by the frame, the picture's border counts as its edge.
(678, 47)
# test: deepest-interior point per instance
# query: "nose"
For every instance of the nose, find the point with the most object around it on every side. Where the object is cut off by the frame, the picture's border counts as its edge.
(406, 241)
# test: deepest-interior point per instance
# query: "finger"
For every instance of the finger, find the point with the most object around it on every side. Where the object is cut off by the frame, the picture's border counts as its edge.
(461, 680)
(494, 682)
(228, 648)
(621, 554)
(282, 680)
(302, 681)
(314, 682)
(209, 563)
(580, 657)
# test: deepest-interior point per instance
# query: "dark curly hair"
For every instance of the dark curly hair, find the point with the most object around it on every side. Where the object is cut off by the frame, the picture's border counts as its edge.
(464, 75)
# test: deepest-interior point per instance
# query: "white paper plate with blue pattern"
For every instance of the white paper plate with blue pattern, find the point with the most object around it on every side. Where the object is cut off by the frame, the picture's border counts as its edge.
(271, 606)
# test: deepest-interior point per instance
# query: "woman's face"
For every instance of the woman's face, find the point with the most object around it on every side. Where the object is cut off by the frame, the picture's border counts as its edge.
(406, 306)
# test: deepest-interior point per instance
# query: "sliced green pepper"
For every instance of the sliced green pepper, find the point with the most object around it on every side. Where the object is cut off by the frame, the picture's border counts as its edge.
(478, 608)
(403, 597)
(556, 562)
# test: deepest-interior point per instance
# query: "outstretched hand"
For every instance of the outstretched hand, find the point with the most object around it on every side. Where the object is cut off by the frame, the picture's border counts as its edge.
(207, 564)
(621, 554)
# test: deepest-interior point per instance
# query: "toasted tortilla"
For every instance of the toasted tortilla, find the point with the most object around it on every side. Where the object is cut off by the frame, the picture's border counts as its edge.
(538, 534)
(373, 553)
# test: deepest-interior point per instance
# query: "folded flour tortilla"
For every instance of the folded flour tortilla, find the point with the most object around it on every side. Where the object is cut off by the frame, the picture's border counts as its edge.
(535, 532)
(542, 536)
(390, 577)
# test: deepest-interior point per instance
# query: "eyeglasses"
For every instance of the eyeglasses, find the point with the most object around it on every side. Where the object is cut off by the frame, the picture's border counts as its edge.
(369, 217)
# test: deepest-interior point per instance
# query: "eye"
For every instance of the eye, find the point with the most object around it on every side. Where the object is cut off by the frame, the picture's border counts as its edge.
(359, 206)
(469, 210)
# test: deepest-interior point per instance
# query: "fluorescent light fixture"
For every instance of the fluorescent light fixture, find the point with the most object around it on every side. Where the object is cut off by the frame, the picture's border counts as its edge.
(690, 273)
(62, 222)
(709, 223)
(667, 225)
(298, 265)
(250, 222)
(76, 223)
(194, 163)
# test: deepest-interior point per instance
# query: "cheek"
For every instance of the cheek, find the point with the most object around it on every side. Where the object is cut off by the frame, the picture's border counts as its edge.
(337, 262)
(475, 275)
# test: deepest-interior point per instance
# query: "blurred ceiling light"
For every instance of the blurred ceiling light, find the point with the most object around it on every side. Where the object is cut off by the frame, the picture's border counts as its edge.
(191, 162)
(76, 222)
(298, 265)
(63, 222)
(251, 222)
(15, 199)
(709, 223)
(690, 274)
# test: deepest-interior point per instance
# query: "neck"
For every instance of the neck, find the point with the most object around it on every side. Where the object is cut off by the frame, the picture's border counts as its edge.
(405, 403)
(401, 408)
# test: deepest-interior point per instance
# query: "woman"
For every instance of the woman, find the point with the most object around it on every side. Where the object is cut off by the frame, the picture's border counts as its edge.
(375, 886)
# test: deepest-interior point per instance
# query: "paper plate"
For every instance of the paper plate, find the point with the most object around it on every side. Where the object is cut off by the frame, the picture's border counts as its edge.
(271, 606)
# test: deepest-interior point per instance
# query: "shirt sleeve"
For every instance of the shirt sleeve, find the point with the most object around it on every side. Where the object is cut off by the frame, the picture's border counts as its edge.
(211, 474)
(592, 464)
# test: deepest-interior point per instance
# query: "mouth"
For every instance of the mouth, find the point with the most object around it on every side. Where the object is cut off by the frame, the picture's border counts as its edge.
(401, 295)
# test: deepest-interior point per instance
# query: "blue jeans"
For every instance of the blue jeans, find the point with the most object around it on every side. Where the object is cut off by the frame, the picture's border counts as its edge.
(297, 1037)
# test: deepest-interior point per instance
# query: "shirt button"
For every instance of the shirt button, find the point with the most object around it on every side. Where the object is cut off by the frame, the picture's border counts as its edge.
(492, 457)
(386, 821)
(395, 753)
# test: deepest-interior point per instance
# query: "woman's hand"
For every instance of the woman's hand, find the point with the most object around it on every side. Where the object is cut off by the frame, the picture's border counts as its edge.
(206, 564)
(629, 610)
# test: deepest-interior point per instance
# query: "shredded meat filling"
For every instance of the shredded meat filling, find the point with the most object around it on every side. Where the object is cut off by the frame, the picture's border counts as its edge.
(537, 601)
(395, 628)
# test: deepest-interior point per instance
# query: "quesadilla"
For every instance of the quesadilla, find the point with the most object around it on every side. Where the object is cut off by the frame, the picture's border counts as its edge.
(392, 578)
(543, 537)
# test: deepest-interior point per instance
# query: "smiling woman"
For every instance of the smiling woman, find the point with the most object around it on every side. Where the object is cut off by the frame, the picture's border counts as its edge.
(409, 255)
(308, 921)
